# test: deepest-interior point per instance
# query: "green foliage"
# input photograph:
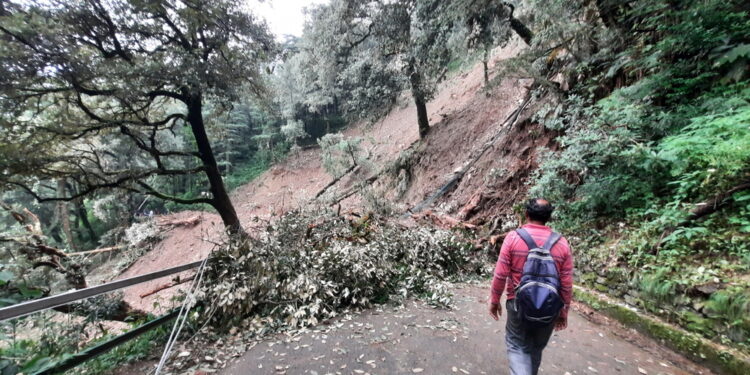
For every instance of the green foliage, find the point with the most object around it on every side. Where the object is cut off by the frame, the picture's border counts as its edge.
(356, 57)
(242, 173)
(27, 350)
(134, 350)
(293, 130)
(339, 154)
(657, 287)
(311, 265)
(246, 173)
(657, 121)
(105, 89)
(732, 308)
(678, 134)
(712, 151)
(30, 356)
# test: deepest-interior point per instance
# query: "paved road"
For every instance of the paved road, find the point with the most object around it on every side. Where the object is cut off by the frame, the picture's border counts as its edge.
(416, 338)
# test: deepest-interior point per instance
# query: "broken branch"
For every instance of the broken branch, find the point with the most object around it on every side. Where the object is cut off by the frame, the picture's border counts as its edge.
(167, 286)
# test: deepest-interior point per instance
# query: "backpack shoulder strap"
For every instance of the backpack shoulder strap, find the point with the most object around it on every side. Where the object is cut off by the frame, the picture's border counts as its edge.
(551, 241)
(526, 237)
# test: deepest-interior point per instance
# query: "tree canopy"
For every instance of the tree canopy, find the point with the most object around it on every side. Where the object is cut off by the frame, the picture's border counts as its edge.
(79, 79)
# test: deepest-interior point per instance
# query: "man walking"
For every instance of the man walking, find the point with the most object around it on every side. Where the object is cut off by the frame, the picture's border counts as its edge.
(543, 296)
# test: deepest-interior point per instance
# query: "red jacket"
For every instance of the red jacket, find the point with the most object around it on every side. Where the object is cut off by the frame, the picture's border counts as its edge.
(513, 256)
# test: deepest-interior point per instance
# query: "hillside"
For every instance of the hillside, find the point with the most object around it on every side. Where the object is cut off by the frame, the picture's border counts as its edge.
(465, 121)
(377, 156)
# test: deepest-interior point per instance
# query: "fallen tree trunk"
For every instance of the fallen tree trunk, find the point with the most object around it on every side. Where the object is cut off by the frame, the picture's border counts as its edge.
(444, 221)
(459, 174)
(189, 222)
(122, 313)
(34, 247)
(97, 251)
(369, 180)
(355, 189)
(471, 207)
(335, 180)
(718, 202)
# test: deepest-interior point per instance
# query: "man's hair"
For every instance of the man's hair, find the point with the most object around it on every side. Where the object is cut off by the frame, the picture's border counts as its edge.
(539, 210)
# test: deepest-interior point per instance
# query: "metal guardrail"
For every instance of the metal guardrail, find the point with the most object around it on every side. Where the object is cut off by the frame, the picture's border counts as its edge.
(30, 307)
(94, 351)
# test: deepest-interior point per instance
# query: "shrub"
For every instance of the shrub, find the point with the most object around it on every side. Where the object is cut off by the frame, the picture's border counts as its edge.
(309, 266)
(340, 153)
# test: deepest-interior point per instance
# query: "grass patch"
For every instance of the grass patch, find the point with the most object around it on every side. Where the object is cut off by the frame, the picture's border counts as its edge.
(245, 174)
(692, 346)
(137, 349)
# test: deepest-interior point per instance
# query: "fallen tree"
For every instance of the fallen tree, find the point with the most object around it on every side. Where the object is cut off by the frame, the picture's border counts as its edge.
(509, 122)
(189, 222)
(703, 209)
(716, 203)
(336, 180)
(36, 250)
(311, 264)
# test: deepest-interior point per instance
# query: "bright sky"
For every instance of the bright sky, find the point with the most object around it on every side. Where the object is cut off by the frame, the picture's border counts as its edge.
(285, 17)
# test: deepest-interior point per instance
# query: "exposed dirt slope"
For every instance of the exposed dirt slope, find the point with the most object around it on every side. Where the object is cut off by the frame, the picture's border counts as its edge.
(463, 120)
(181, 245)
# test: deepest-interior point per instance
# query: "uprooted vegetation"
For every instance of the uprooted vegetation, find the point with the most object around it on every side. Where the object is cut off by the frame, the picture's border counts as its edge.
(309, 266)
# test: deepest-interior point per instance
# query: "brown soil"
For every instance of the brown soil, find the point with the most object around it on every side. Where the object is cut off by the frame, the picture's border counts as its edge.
(180, 245)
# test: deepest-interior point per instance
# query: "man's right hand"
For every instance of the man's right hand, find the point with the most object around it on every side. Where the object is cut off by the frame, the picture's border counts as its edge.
(495, 311)
(561, 323)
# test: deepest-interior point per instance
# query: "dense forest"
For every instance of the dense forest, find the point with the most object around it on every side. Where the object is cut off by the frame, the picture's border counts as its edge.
(113, 112)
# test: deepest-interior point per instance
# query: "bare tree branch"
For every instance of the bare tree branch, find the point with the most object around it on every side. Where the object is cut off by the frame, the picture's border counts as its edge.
(151, 191)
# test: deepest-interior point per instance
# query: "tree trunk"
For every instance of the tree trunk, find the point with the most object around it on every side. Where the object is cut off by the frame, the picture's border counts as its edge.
(518, 26)
(227, 161)
(415, 78)
(485, 62)
(611, 13)
(521, 29)
(220, 199)
(327, 120)
(83, 215)
(64, 215)
(606, 13)
(422, 120)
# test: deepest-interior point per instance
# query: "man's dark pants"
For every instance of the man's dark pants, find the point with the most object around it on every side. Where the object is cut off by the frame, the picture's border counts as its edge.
(525, 344)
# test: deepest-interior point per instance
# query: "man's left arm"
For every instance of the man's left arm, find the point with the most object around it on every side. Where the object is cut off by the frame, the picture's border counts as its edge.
(566, 284)
(502, 272)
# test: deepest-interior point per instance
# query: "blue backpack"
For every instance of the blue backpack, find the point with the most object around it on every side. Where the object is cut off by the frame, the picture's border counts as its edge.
(537, 295)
